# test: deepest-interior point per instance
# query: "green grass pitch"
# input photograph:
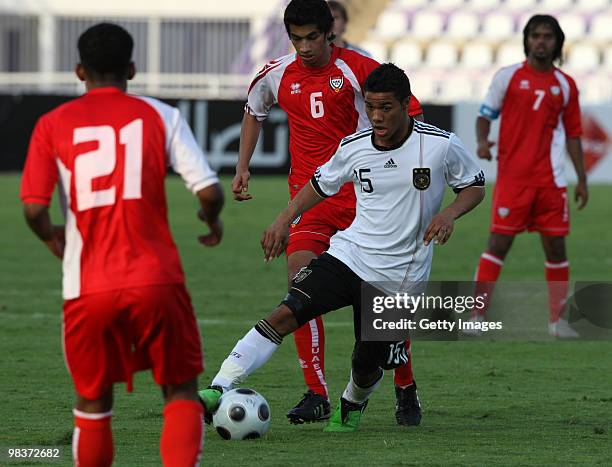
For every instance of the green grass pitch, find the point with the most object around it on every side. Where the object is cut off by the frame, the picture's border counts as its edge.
(485, 403)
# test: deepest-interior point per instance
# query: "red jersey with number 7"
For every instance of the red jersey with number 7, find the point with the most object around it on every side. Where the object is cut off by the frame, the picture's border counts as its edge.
(110, 151)
(323, 105)
(539, 111)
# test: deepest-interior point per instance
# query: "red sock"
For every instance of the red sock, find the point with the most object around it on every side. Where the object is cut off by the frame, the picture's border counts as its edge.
(489, 267)
(310, 343)
(92, 439)
(557, 277)
(402, 376)
(181, 439)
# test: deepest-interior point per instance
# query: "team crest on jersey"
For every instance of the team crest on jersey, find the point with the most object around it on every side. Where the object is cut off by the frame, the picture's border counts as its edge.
(421, 178)
(302, 274)
(295, 88)
(555, 90)
(524, 84)
(503, 212)
(336, 82)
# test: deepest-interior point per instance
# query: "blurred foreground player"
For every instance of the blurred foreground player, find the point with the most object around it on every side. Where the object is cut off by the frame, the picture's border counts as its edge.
(126, 306)
(399, 170)
(540, 114)
(321, 89)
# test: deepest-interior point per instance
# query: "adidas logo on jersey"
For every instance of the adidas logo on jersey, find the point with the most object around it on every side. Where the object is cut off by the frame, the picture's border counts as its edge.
(390, 164)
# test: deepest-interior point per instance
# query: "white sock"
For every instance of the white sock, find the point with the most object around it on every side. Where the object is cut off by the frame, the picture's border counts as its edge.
(357, 394)
(250, 353)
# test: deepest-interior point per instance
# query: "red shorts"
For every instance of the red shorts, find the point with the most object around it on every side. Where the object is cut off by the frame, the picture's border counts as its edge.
(518, 208)
(108, 336)
(312, 230)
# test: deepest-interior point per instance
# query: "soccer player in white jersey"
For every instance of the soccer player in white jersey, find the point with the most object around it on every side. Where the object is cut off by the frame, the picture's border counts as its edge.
(399, 170)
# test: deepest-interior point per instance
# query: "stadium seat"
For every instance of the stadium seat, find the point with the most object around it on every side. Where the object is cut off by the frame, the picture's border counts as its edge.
(554, 5)
(477, 55)
(447, 4)
(482, 5)
(519, 5)
(595, 88)
(459, 88)
(510, 53)
(441, 54)
(377, 49)
(462, 25)
(392, 23)
(601, 28)
(424, 85)
(590, 6)
(410, 4)
(407, 55)
(607, 60)
(583, 58)
(498, 26)
(574, 26)
(427, 24)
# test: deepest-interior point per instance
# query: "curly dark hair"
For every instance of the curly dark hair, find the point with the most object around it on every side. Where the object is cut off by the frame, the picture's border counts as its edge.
(389, 78)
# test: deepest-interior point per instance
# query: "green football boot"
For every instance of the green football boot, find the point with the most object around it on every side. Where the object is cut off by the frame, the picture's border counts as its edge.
(346, 417)
(209, 398)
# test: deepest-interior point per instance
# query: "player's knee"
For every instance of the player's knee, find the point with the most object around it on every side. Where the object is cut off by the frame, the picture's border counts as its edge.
(182, 391)
(283, 320)
(499, 245)
(554, 248)
(101, 405)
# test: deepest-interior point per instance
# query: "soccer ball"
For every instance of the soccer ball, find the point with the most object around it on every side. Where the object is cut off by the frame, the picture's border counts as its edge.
(242, 414)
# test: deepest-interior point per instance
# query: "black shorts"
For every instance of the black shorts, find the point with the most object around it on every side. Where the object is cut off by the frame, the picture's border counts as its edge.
(327, 284)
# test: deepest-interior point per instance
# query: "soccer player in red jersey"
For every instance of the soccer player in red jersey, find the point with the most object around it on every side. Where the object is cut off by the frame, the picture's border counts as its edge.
(126, 307)
(540, 114)
(321, 89)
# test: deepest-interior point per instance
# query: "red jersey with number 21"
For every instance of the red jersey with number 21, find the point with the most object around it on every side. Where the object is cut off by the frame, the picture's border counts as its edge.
(323, 106)
(111, 151)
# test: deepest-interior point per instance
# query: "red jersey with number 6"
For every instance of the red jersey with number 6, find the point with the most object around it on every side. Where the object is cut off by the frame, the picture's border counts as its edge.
(539, 111)
(111, 151)
(323, 106)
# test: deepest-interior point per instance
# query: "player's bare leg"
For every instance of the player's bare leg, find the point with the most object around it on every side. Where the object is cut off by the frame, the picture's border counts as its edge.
(92, 440)
(181, 438)
(557, 277)
(310, 344)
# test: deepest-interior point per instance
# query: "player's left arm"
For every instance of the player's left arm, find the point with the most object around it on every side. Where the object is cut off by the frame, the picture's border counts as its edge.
(442, 224)
(581, 192)
(573, 129)
(465, 177)
(37, 183)
(275, 237)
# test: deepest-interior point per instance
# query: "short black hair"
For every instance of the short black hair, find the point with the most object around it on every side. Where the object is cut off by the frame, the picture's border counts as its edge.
(338, 7)
(537, 20)
(303, 12)
(389, 78)
(106, 49)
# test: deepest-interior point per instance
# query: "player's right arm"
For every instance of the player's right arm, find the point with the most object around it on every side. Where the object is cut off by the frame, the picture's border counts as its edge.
(262, 96)
(37, 183)
(490, 110)
(249, 134)
(483, 147)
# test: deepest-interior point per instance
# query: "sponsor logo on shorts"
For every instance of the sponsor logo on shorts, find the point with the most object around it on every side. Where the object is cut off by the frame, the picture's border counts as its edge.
(503, 212)
(302, 274)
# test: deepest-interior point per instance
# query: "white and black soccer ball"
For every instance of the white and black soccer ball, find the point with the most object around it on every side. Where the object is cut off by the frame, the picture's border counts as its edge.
(242, 414)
